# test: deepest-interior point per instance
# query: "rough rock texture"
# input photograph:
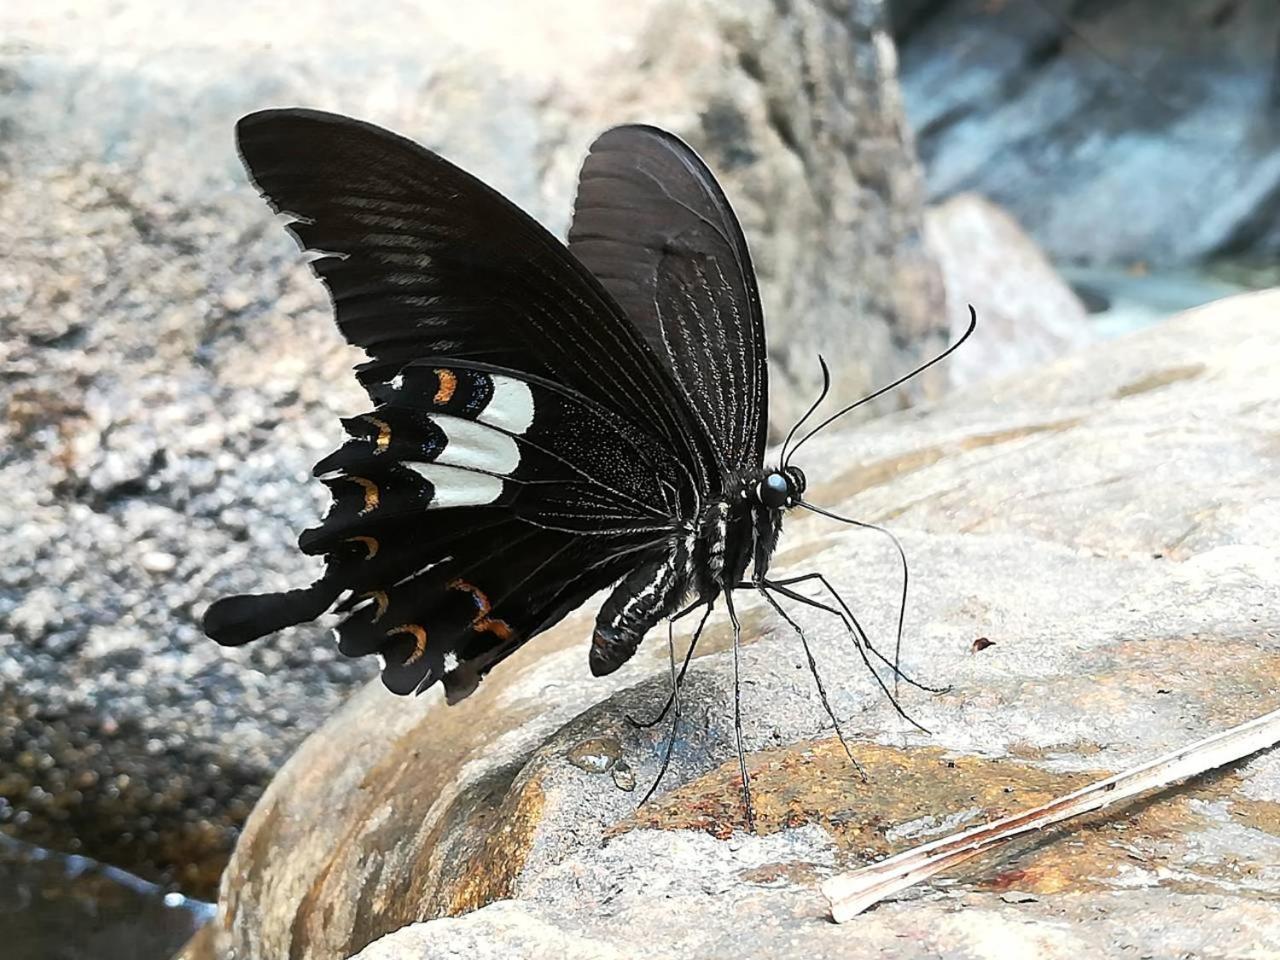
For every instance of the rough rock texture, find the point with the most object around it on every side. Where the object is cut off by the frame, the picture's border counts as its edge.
(1115, 132)
(1106, 527)
(169, 372)
(1028, 313)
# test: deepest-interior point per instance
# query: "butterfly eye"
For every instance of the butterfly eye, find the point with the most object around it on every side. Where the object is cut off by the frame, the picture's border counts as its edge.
(774, 490)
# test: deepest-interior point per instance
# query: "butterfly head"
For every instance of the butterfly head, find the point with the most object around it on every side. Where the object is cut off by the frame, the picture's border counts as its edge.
(778, 488)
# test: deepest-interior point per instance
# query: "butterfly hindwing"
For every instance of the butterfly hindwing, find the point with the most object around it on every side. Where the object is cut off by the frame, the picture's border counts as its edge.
(653, 225)
(455, 620)
(467, 480)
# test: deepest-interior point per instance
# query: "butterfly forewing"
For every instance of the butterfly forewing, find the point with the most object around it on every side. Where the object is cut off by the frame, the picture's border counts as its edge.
(423, 260)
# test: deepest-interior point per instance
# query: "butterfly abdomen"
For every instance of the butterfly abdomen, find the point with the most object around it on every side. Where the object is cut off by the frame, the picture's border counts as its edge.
(704, 563)
(652, 591)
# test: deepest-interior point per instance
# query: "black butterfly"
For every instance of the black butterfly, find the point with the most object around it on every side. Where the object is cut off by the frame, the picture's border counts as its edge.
(545, 422)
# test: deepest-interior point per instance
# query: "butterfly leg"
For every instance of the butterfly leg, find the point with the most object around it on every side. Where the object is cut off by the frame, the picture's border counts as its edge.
(855, 630)
(677, 681)
(803, 578)
(737, 711)
(674, 700)
(817, 679)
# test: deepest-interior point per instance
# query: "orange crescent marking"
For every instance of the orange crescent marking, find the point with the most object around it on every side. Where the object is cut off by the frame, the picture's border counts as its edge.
(370, 544)
(448, 384)
(384, 433)
(482, 621)
(498, 628)
(370, 494)
(419, 641)
(380, 598)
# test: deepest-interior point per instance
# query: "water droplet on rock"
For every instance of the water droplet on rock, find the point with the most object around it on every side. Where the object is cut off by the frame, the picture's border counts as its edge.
(624, 778)
(595, 755)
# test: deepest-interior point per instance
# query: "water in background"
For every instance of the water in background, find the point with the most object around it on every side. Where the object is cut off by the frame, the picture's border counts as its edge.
(59, 907)
(1120, 301)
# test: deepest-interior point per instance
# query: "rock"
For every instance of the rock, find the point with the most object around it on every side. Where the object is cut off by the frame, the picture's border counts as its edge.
(1027, 312)
(171, 371)
(1115, 133)
(955, 928)
(1107, 523)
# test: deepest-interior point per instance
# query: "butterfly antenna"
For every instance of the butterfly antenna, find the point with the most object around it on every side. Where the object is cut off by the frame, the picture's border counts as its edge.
(973, 323)
(822, 395)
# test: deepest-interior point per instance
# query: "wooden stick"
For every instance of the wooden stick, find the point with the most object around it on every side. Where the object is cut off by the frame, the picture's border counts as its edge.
(851, 893)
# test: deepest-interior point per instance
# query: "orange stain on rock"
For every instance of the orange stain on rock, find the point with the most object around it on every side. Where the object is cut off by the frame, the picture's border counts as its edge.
(922, 793)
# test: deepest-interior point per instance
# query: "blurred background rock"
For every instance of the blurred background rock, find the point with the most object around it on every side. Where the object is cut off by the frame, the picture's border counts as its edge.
(1137, 142)
(1124, 133)
(169, 371)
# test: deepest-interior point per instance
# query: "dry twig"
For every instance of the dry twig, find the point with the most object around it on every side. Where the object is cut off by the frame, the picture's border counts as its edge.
(851, 893)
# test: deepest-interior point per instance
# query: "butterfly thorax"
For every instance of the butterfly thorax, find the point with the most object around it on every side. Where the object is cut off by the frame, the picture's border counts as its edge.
(709, 557)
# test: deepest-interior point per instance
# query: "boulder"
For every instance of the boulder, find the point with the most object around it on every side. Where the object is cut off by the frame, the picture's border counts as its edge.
(1028, 313)
(1095, 580)
(1116, 133)
(171, 371)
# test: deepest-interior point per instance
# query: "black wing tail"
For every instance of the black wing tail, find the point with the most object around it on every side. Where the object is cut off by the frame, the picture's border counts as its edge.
(234, 621)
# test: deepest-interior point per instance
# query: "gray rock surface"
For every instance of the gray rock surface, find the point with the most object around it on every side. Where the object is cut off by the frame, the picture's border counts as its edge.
(1107, 526)
(1115, 132)
(957, 927)
(169, 371)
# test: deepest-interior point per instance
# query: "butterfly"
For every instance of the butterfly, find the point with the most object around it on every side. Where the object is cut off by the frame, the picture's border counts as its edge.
(545, 421)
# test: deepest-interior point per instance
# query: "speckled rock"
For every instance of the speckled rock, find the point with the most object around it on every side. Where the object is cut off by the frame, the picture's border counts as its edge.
(1096, 579)
(170, 370)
